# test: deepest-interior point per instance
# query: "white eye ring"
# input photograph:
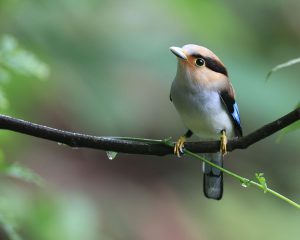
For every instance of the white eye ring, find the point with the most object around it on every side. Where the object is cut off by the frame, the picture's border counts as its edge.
(199, 62)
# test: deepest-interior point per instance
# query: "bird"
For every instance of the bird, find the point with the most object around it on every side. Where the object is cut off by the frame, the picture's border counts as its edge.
(205, 100)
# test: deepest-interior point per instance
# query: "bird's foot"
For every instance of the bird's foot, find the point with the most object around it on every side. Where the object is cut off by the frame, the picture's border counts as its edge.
(178, 148)
(223, 145)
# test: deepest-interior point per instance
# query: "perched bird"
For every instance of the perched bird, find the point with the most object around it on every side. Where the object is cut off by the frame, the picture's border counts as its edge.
(205, 100)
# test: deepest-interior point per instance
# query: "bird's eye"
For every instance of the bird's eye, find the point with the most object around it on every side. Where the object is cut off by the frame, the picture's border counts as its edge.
(200, 62)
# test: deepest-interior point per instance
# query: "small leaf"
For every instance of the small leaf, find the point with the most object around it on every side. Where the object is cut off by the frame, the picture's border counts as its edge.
(261, 179)
(283, 65)
(111, 155)
(245, 182)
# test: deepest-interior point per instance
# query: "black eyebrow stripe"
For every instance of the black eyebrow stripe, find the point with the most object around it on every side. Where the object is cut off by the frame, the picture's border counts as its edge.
(215, 66)
(212, 64)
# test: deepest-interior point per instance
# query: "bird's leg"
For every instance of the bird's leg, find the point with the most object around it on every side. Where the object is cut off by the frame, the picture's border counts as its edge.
(178, 148)
(223, 144)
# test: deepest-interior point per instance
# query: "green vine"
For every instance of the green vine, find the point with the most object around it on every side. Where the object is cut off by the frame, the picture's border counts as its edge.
(245, 182)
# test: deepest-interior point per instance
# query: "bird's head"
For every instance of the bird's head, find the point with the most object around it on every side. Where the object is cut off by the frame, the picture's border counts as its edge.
(200, 65)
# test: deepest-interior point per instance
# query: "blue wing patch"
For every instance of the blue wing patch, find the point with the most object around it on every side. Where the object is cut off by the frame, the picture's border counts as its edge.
(233, 110)
(236, 113)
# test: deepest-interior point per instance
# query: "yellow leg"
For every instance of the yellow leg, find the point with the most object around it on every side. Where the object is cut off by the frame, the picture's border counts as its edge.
(223, 145)
(178, 149)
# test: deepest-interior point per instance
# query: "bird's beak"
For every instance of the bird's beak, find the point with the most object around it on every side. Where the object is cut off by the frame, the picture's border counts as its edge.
(178, 52)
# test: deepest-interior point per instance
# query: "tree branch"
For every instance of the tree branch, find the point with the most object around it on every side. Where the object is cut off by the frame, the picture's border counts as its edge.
(78, 140)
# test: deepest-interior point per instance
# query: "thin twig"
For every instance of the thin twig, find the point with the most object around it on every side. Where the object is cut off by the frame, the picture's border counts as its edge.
(243, 180)
(136, 146)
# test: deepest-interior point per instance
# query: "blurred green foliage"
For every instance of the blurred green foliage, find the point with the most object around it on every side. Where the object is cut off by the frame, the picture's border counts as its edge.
(111, 72)
(19, 61)
(15, 60)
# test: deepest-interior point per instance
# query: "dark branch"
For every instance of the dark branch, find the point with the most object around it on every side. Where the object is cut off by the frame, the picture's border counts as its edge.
(135, 147)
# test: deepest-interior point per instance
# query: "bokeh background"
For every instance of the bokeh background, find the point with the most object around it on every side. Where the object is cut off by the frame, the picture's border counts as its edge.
(110, 74)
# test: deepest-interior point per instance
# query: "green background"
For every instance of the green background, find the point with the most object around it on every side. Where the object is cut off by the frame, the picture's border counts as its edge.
(110, 74)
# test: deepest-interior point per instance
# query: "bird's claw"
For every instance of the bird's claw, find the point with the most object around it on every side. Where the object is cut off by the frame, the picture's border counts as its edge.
(223, 144)
(178, 148)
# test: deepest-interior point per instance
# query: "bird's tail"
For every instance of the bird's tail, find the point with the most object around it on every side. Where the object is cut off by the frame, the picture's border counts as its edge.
(213, 178)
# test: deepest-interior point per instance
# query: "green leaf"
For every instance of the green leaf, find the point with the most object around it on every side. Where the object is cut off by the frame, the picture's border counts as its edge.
(261, 179)
(20, 61)
(16, 60)
(245, 182)
(283, 65)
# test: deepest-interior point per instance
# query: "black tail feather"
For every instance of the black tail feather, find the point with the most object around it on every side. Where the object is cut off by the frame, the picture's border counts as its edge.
(213, 178)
